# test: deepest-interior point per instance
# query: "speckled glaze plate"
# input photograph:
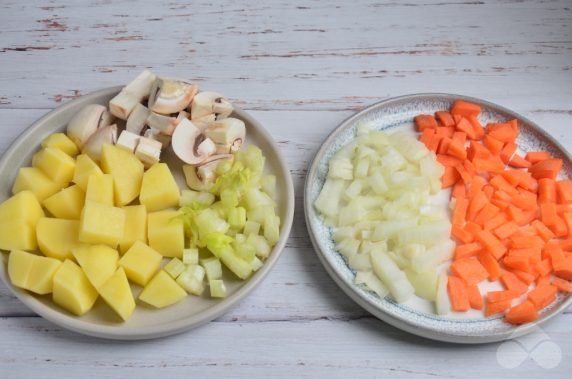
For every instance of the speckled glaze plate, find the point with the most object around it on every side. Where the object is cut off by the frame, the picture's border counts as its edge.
(146, 322)
(398, 113)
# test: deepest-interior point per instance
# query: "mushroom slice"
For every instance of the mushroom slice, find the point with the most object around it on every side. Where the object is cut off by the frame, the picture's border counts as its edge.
(190, 145)
(203, 177)
(205, 103)
(228, 134)
(106, 134)
(137, 119)
(128, 141)
(164, 139)
(148, 151)
(86, 121)
(163, 124)
(132, 94)
(171, 96)
(203, 122)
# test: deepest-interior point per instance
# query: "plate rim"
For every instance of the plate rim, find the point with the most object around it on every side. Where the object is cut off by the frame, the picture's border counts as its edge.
(351, 291)
(115, 332)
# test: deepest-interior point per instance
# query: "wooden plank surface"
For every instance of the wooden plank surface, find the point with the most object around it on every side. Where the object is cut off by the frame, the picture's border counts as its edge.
(300, 68)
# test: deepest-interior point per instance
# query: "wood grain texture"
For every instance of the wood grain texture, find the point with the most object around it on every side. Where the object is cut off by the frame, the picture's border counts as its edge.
(300, 68)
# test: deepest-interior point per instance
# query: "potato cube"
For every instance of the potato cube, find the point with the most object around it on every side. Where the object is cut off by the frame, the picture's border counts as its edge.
(117, 294)
(166, 233)
(57, 165)
(33, 179)
(100, 189)
(62, 142)
(57, 237)
(19, 216)
(127, 172)
(32, 272)
(101, 224)
(67, 203)
(159, 189)
(72, 290)
(84, 168)
(98, 262)
(162, 291)
(140, 263)
(135, 227)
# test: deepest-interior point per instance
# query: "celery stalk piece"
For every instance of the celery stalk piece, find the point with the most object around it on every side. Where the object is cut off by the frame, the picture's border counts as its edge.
(191, 256)
(245, 251)
(236, 218)
(174, 267)
(251, 227)
(191, 279)
(237, 266)
(208, 221)
(216, 242)
(272, 229)
(261, 246)
(259, 214)
(218, 288)
(213, 268)
(254, 198)
(256, 263)
(229, 198)
(189, 196)
(268, 185)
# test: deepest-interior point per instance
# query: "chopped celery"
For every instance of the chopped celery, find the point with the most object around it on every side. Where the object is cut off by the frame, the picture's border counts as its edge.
(272, 229)
(229, 198)
(174, 267)
(239, 238)
(261, 246)
(268, 185)
(212, 267)
(259, 214)
(190, 196)
(256, 263)
(244, 251)
(208, 221)
(191, 256)
(218, 288)
(191, 279)
(252, 158)
(251, 227)
(216, 242)
(236, 218)
(239, 267)
(254, 198)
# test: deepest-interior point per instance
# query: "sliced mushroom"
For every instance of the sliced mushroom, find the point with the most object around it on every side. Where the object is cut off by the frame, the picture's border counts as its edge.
(137, 119)
(132, 94)
(190, 145)
(148, 151)
(171, 96)
(161, 123)
(203, 122)
(206, 103)
(203, 177)
(128, 141)
(106, 134)
(227, 134)
(86, 121)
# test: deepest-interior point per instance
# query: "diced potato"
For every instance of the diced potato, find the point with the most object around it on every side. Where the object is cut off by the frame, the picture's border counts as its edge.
(135, 227)
(162, 291)
(57, 165)
(101, 224)
(33, 179)
(140, 263)
(127, 173)
(166, 233)
(66, 203)
(218, 288)
(32, 272)
(100, 189)
(57, 237)
(62, 142)
(18, 218)
(84, 168)
(98, 262)
(159, 189)
(117, 294)
(72, 290)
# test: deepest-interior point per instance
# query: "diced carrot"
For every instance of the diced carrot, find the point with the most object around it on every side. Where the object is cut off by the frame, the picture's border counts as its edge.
(544, 233)
(553, 252)
(516, 263)
(544, 280)
(477, 127)
(527, 242)
(506, 230)
(459, 190)
(511, 282)
(460, 211)
(533, 253)
(517, 161)
(445, 118)
(458, 294)
(524, 200)
(522, 313)
(560, 227)
(514, 177)
(476, 185)
(498, 307)
(542, 296)
(457, 149)
(470, 270)
(465, 108)
(519, 216)
(472, 228)
(460, 136)
(564, 269)
(477, 150)
(444, 145)
(494, 145)
(542, 268)
(502, 195)
(502, 204)
(486, 213)
(475, 297)
(496, 296)
(489, 191)
(563, 208)
(546, 190)
(567, 217)
(465, 176)
(465, 126)
(537, 156)
(467, 250)
(565, 244)
(461, 234)
(514, 124)
(527, 231)
(500, 183)
(564, 191)
(450, 177)
(448, 161)
(430, 139)
(490, 264)
(488, 165)
(424, 121)
(562, 285)
(469, 167)
(502, 132)
(476, 203)
(526, 277)
(508, 151)
(548, 214)
(548, 168)
(491, 243)
(495, 222)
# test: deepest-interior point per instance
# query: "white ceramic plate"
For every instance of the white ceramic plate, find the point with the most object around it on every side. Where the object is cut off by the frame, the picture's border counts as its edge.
(146, 322)
(414, 317)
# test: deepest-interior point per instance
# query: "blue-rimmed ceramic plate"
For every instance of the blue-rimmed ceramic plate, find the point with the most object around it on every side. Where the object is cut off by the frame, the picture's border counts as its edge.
(415, 317)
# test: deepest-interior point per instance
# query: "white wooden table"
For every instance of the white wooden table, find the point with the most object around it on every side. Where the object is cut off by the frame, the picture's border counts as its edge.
(300, 68)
